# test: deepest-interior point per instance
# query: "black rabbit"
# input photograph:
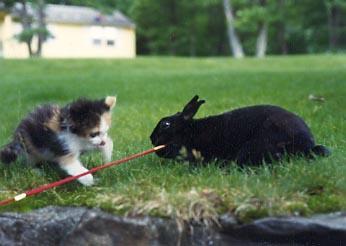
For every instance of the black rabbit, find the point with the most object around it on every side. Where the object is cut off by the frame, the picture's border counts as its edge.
(250, 135)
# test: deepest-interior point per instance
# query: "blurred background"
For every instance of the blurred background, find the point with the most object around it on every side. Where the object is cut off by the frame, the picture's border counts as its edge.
(126, 28)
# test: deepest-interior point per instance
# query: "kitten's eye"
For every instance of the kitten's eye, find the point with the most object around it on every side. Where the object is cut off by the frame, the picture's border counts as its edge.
(94, 134)
(166, 124)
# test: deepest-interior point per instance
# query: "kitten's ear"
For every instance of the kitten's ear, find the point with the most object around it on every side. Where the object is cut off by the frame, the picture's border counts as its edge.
(110, 101)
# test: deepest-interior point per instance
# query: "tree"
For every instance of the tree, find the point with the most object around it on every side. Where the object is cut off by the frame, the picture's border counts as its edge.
(194, 28)
(253, 20)
(254, 27)
(281, 24)
(262, 38)
(34, 30)
(233, 39)
(334, 13)
(26, 35)
(41, 31)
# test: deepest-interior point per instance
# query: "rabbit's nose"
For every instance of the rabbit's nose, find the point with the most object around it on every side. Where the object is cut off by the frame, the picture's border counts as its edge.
(153, 139)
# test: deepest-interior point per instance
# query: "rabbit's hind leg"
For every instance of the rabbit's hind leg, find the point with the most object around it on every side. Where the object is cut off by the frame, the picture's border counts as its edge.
(259, 150)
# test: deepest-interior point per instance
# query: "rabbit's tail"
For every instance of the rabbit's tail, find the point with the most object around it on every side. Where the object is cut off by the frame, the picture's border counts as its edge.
(321, 150)
(10, 152)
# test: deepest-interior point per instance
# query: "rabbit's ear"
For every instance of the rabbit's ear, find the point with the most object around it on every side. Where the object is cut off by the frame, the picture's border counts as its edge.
(191, 108)
(192, 101)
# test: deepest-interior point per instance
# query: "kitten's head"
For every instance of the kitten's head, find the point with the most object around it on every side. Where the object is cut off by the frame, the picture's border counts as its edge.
(91, 119)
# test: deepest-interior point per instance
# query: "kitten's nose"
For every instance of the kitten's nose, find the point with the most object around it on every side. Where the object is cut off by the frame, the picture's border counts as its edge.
(102, 143)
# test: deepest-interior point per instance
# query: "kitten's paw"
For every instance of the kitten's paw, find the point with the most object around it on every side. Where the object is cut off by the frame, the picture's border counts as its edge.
(87, 180)
(107, 157)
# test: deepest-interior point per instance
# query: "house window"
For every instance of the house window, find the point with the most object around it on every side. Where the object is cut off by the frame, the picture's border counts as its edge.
(96, 41)
(110, 42)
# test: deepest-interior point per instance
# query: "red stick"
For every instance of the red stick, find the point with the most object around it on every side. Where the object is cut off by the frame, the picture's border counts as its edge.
(71, 178)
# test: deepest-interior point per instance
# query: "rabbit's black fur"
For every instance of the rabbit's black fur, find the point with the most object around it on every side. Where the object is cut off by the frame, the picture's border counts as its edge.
(247, 135)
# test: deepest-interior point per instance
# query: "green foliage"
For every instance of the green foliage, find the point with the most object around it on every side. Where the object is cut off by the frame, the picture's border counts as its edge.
(106, 6)
(249, 18)
(179, 27)
(150, 88)
(8, 3)
(197, 28)
(27, 35)
(331, 3)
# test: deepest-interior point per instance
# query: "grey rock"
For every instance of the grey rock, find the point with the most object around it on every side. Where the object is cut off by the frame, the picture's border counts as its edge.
(82, 226)
(47, 225)
(327, 229)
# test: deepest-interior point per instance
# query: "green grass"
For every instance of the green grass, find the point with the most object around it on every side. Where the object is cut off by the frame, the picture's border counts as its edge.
(150, 88)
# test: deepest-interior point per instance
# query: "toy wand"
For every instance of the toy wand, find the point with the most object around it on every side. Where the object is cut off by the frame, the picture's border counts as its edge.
(71, 178)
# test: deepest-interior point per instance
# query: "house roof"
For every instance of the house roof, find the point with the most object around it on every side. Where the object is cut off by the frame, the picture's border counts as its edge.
(79, 15)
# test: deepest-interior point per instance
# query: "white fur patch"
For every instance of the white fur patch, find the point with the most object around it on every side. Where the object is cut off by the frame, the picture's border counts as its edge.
(75, 167)
(102, 137)
(104, 127)
(75, 143)
(107, 150)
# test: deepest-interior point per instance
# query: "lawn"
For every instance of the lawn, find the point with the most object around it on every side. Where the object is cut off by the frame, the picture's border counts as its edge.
(150, 88)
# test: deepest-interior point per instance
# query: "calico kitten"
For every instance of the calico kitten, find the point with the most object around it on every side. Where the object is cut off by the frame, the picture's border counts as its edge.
(60, 134)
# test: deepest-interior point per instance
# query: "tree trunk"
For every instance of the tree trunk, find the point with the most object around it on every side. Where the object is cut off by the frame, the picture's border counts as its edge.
(41, 36)
(262, 38)
(282, 39)
(26, 24)
(282, 29)
(174, 22)
(28, 45)
(262, 41)
(333, 26)
(233, 39)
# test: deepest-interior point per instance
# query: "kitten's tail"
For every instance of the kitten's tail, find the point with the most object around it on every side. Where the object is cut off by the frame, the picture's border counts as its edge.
(10, 152)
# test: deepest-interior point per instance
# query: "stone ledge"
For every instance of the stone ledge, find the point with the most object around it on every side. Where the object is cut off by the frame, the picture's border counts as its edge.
(82, 226)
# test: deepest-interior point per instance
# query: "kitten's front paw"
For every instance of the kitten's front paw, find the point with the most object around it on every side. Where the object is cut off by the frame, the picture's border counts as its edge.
(87, 180)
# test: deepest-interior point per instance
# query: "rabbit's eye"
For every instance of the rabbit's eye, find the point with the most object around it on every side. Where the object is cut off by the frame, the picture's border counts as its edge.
(166, 124)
